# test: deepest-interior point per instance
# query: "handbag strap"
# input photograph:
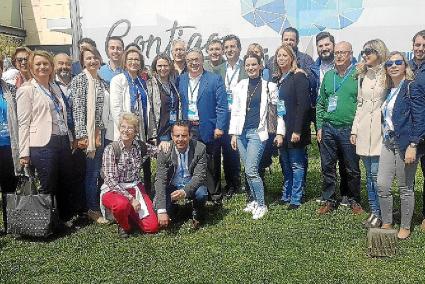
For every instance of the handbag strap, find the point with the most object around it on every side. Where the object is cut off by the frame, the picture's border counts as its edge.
(29, 172)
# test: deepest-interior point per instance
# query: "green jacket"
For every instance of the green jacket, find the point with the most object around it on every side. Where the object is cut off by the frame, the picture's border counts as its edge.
(214, 69)
(346, 94)
(222, 71)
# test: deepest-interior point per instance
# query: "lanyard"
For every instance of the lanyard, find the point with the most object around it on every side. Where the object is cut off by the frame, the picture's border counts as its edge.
(182, 164)
(283, 78)
(65, 99)
(54, 99)
(390, 97)
(169, 90)
(136, 88)
(229, 81)
(192, 91)
(336, 88)
(4, 102)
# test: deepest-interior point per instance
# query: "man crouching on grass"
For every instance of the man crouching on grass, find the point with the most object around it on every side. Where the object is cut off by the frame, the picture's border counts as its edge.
(181, 173)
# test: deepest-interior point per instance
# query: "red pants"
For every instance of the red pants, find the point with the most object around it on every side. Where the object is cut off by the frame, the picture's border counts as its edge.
(123, 211)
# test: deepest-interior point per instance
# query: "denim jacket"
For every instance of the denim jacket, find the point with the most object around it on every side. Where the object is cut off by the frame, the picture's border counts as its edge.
(9, 92)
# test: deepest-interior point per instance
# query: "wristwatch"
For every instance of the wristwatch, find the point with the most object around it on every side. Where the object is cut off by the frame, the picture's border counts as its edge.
(413, 145)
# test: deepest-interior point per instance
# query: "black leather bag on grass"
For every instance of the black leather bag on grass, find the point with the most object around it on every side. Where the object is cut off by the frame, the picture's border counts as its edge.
(30, 213)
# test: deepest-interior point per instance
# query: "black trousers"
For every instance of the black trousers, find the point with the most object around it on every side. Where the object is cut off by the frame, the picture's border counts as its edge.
(53, 164)
(231, 162)
(8, 180)
(147, 177)
(78, 161)
(213, 171)
(423, 186)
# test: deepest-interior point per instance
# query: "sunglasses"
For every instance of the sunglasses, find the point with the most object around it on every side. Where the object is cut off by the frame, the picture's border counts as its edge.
(368, 51)
(21, 59)
(390, 63)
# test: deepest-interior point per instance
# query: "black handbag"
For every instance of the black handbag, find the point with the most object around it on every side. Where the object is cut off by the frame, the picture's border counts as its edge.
(30, 213)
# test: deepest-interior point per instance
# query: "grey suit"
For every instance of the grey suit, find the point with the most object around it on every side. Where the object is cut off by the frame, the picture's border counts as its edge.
(167, 164)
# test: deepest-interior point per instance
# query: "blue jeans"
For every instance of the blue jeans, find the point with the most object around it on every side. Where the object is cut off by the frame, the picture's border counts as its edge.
(294, 168)
(336, 141)
(371, 164)
(91, 181)
(251, 150)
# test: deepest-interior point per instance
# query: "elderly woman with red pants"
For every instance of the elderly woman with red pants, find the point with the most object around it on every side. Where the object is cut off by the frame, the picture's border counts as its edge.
(122, 193)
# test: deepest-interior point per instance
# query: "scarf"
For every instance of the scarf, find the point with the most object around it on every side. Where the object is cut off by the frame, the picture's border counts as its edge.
(91, 115)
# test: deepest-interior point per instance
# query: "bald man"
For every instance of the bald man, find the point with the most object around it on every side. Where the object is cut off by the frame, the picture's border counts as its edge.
(63, 75)
(336, 107)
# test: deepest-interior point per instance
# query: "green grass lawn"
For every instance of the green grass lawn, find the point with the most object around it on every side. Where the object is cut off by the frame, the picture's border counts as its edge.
(284, 247)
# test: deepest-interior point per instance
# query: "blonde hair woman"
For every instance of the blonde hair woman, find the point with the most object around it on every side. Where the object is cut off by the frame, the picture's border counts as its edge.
(365, 132)
(403, 127)
(294, 98)
(44, 137)
(123, 193)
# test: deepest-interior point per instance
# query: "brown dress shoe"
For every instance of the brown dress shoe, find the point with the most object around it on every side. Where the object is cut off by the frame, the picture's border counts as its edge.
(356, 208)
(403, 233)
(387, 226)
(326, 208)
(97, 217)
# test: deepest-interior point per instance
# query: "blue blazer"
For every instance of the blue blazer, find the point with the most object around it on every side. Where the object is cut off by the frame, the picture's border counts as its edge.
(211, 103)
(409, 114)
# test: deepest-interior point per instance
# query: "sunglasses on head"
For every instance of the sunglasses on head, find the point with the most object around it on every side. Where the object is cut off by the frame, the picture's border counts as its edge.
(368, 51)
(390, 63)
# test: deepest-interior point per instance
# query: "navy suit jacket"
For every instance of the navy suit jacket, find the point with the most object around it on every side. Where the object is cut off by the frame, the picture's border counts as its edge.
(409, 114)
(211, 103)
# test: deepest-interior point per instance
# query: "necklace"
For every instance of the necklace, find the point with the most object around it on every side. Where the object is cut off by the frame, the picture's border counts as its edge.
(250, 95)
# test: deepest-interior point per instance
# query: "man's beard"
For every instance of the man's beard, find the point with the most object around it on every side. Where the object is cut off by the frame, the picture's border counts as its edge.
(64, 75)
(327, 58)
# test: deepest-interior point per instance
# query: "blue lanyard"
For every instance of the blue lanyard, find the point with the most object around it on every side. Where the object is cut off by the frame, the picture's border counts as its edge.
(336, 88)
(229, 81)
(283, 78)
(182, 164)
(136, 88)
(3, 103)
(170, 91)
(54, 99)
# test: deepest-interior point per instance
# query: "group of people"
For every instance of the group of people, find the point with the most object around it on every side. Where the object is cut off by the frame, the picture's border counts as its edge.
(89, 129)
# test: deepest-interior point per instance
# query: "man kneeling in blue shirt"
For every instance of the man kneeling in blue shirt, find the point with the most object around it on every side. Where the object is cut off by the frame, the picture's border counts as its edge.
(181, 174)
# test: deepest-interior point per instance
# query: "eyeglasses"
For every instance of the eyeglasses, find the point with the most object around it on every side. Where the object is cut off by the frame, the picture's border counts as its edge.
(21, 59)
(193, 60)
(342, 53)
(128, 129)
(390, 63)
(368, 51)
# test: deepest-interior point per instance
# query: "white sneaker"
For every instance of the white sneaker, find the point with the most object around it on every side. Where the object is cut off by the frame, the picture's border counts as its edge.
(250, 207)
(259, 212)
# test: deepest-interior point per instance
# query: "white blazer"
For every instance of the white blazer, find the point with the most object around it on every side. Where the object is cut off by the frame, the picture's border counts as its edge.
(119, 100)
(237, 119)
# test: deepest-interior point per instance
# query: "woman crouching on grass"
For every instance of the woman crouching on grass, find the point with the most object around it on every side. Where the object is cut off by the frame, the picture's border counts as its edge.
(122, 193)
